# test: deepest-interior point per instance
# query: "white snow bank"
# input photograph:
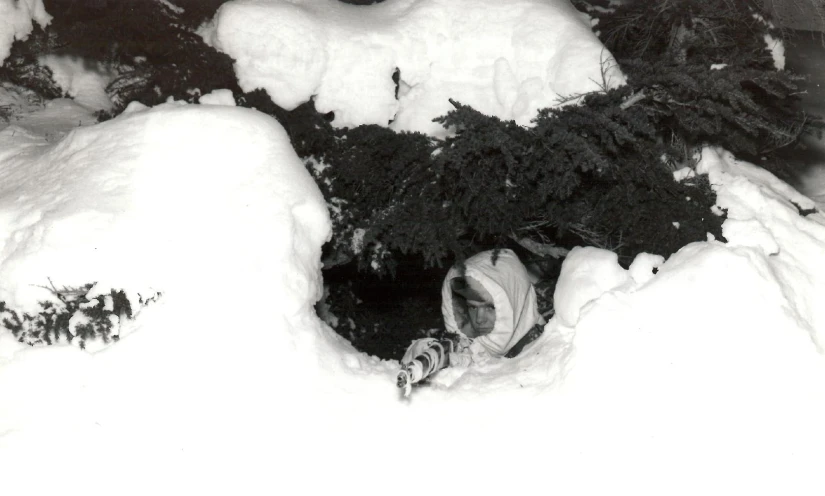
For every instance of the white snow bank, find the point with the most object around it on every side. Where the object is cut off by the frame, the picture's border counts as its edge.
(506, 59)
(702, 378)
(210, 206)
(109, 203)
(16, 18)
(763, 221)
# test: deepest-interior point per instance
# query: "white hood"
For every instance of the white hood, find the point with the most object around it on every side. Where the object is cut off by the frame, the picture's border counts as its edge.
(513, 296)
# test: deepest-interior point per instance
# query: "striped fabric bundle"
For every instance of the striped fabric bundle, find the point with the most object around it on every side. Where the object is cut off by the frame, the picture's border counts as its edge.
(428, 357)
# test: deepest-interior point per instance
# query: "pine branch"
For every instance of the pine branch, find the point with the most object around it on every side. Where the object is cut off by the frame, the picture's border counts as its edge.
(53, 322)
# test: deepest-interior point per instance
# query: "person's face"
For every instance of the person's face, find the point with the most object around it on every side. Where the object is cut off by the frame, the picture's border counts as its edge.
(482, 317)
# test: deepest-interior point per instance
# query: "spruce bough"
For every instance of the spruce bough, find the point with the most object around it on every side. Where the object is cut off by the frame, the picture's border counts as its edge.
(71, 315)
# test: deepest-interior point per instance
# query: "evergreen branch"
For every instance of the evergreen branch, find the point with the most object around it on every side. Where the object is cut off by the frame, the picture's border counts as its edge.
(634, 99)
(51, 323)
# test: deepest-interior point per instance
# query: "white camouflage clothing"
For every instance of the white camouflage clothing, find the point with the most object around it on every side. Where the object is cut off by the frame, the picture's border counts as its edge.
(515, 303)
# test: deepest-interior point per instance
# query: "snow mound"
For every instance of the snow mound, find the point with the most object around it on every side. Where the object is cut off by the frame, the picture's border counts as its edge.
(701, 377)
(507, 59)
(764, 223)
(110, 202)
(208, 205)
(16, 18)
(587, 273)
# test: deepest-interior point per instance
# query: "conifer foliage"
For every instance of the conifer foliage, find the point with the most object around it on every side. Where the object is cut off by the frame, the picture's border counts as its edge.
(588, 174)
(22, 68)
(71, 315)
(598, 173)
(151, 46)
(707, 68)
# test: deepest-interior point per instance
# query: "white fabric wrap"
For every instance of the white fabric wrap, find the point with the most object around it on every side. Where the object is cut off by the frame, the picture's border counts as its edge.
(417, 347)
(458, 359)
(513, 296)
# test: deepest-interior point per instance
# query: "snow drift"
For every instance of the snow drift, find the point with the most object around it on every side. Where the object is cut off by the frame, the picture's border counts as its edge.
(176, 199)
(230, 383)
(507, 59)
(699, 374)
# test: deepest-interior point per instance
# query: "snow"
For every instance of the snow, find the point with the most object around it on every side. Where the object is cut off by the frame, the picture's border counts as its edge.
(587, 273)
(83, 80)
(218, 97)
(683, 173)
(172, 199)
(707, 368)
(699, 374)
(16, 18)
(169, 5)
(777, 48)
(506, 59)
(51, 119)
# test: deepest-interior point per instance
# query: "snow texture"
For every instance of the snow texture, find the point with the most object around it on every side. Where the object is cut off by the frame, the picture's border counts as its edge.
(16, 18)
(587, 273)
(699, 374)
(507, 59)
(703, 377)
(218, 97)
(83, 80)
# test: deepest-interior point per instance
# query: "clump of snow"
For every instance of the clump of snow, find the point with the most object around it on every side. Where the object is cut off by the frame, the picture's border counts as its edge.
(812, 184)
(683, 173)
(357, 242)
(507, 59)
(587, 273)
(77, 319)
(85, 81)
(218, 97)
(777, 48)
(644, 266)
(16, 18)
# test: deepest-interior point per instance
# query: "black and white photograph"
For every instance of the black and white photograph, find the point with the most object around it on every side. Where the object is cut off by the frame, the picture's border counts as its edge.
(425, 247)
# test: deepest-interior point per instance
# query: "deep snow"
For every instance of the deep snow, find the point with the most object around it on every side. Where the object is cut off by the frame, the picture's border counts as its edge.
(703, 378)
(502, 58)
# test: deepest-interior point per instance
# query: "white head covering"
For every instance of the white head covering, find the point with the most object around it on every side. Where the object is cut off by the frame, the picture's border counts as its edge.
(513, 296)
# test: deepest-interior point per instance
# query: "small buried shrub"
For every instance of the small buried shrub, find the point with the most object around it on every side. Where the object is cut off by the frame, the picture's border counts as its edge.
(73, 316)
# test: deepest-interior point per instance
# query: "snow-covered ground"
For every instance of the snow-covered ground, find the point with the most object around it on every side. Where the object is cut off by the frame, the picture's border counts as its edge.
(703, 376)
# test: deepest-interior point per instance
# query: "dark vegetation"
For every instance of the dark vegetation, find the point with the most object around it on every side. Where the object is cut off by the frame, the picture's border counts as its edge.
(97, 318)
(406, 205)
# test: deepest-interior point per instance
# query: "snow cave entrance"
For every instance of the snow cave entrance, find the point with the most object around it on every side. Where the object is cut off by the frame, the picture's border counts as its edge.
(382, 315)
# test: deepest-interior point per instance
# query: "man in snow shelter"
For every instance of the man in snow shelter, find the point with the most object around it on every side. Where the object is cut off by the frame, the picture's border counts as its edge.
(489, 308)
